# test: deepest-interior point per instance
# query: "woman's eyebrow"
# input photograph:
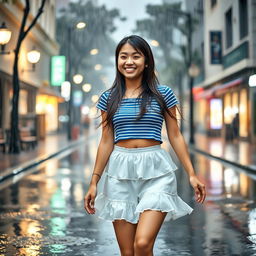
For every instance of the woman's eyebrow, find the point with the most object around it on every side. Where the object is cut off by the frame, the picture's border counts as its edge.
(132, 53)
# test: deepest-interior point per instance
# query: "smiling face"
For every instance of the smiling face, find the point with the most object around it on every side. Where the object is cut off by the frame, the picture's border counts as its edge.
(131, 63)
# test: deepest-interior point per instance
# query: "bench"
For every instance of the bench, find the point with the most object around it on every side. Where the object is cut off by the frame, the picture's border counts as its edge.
(3, 141)
(27, 139)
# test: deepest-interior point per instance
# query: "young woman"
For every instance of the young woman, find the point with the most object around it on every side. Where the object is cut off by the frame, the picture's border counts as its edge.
(139, 188)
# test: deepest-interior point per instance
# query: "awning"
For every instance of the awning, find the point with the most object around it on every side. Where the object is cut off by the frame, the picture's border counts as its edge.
(218, 90)
(51, 92)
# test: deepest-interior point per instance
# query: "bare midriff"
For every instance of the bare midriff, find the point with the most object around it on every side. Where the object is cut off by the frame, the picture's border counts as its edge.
(137, 143)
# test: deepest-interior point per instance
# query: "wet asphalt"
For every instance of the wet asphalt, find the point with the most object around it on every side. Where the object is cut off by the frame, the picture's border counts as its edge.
(41, 212)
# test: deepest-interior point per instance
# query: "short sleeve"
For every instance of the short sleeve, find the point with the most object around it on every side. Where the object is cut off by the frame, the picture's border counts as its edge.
(170, 98)
(102, 103)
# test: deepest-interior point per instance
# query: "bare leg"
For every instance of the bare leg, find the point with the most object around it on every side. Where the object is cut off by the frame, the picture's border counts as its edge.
(148, 227)
(125, 234)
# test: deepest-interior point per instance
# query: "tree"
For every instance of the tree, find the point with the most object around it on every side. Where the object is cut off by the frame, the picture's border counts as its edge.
(14, 146)
(97, 34)
(161, 26)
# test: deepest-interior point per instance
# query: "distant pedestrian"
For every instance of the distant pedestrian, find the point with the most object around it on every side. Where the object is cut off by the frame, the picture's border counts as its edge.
(235, 126)
(139, 187)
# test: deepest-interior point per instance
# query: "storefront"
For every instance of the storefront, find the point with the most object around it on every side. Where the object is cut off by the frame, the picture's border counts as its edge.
(47, 105)
(223, 110)
(27, 96)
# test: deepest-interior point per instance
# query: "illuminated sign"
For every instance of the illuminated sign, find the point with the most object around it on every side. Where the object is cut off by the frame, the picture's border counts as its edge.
(58, 70)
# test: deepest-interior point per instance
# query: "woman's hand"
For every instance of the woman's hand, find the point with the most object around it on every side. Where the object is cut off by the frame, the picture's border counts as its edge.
(199, 188)
(89, 199)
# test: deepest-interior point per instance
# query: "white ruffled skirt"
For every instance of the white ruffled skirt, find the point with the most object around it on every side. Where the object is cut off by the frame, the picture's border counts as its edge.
(139, 179)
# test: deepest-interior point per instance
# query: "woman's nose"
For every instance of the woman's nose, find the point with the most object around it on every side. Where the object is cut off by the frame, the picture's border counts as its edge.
(129, 60)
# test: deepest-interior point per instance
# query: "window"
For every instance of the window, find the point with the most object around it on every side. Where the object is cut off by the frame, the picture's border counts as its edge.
(213, 3)
(243, 18)
(229, 28)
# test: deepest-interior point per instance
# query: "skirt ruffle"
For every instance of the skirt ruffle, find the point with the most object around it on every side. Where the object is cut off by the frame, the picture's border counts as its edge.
(164, 202)
(146, 165)
(112, 210)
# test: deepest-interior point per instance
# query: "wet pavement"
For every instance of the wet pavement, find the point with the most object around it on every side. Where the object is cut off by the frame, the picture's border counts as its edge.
(41, 212)
(237, 152)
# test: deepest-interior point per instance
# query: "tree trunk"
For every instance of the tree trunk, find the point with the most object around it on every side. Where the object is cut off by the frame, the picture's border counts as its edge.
(14, 144)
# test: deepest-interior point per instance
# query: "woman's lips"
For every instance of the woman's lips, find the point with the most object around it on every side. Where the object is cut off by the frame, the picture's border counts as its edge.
(129, 70)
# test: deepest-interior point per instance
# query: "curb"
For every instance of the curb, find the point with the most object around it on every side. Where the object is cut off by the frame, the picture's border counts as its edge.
(248, 168)
(38, 160)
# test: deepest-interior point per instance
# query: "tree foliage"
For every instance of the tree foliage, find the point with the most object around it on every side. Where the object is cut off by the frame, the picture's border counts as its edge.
(164, 20)
(97, 34)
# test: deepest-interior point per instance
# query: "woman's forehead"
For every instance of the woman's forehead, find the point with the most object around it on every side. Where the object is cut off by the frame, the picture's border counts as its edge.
(128, 48)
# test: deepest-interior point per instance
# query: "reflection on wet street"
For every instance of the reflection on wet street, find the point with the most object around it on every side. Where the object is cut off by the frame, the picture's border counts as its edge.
(43, 214)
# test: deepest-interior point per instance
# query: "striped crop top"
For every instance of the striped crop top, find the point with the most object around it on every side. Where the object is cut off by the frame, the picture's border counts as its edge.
(149, 126)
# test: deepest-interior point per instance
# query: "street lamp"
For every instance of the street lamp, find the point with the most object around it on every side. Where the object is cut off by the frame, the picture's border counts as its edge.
(252, 80)
(5, 36)
(154, 43)
(87, 87)
(98, 67)
(193, 70)
(80, 26)
(78, 79)
(95, 98)
(94, 51)
(33, 57)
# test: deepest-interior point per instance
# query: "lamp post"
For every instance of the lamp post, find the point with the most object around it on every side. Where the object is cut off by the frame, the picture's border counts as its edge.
(80, 25)
(188, 17)
(33, 57)
(5, 36)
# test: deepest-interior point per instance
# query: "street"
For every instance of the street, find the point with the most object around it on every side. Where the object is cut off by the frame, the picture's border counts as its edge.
(42, 212)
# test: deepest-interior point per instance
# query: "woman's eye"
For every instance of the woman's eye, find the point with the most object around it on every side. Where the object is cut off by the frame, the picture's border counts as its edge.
(123, 57)
(136, 57)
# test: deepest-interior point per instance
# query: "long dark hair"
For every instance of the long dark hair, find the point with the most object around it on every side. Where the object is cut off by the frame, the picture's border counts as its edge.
(149, 81)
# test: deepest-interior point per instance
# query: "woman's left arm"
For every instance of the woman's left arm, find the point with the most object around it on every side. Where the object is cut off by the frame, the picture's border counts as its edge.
(178, 143)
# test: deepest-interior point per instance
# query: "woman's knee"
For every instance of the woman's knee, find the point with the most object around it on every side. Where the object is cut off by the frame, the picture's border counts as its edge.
(142, 244)
(127, 252)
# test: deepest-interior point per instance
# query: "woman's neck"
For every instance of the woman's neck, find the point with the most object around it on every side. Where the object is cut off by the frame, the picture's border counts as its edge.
(132, 84)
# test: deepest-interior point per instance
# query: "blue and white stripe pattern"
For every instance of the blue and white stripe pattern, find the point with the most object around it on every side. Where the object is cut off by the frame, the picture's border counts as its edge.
(149, 126)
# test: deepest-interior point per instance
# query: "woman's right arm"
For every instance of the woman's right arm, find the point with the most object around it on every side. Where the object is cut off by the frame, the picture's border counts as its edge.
(105, 148)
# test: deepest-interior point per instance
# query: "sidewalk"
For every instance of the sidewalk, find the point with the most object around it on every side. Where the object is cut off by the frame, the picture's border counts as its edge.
(11, 164)
(239, 211)
(238, 153)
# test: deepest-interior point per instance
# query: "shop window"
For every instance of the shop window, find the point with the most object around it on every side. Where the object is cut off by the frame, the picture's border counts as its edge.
(48, 105)
(216, 114)
(23, 102)
(243, 18)
(228, 114)
(235, 107)
(229, 28)
(243, 114)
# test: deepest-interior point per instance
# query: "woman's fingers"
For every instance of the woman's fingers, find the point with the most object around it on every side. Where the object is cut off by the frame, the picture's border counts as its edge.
(200, 193)
(89, 204)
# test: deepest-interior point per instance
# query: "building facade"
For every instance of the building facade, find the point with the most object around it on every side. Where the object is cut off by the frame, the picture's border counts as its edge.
(225, 104)
(38, 101)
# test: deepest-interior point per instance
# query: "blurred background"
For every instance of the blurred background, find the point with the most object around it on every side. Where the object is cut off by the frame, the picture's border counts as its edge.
(204, 50)
(57, 57)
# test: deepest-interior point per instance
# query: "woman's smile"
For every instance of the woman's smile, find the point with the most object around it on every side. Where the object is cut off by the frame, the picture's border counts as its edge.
(130, 69)
(131, 62)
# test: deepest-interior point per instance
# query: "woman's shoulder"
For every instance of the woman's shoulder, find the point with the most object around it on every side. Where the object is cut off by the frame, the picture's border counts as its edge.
(163, 89)
(105, 94)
